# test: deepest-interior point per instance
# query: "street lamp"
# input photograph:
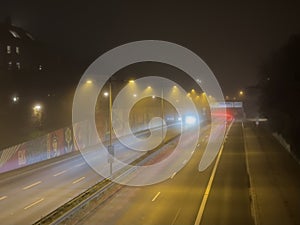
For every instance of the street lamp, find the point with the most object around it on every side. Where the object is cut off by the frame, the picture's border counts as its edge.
(110, 146)
(162, 115)
(15, 99)
(37, 113)
(37, 108)
(131, 81)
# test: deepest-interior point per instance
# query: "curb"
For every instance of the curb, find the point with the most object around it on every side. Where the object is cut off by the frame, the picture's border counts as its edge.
(252, 193)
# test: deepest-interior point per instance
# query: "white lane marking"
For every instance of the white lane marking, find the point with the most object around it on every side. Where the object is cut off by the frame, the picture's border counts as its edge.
(176, 216)
(173, 175)
(3, 197)
(192, 152)
(184, 162)
(80, 164)
(34, 203)
(78, 180)
(32, 185)
(207, 190)
(59, 173)
(155, 197)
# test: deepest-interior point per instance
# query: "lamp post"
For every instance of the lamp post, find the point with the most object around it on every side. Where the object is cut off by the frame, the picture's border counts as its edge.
(110, 147)
(162, 115)
(37, 113)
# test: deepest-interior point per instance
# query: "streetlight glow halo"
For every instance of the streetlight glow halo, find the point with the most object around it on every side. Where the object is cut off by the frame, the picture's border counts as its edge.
(144, 51)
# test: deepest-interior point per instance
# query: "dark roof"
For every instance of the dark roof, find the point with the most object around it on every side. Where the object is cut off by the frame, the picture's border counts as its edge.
(10, 32)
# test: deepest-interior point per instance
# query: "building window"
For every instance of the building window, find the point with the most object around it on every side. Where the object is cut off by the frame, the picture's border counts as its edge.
(9, 65)
(14, 34)
(18, 50)
(18, 65)
(8, 49)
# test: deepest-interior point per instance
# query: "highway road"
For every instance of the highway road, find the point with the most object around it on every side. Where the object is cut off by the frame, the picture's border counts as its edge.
(274, 177)
(174, 201)
(229, 201)
(29, 193)
(178, 200)
(251, 161)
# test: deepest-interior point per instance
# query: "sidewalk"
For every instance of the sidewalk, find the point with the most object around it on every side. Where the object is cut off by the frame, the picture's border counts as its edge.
(274, 178)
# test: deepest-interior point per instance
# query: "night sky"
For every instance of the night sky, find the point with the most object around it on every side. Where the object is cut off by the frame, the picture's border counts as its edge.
(233, 38)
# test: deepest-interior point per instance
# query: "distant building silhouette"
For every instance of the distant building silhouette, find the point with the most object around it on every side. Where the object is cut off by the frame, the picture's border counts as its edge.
(19, 51)
(32, 72)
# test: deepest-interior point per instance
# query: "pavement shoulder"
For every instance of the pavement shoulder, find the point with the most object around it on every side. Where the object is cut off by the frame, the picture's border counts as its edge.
(274, 176)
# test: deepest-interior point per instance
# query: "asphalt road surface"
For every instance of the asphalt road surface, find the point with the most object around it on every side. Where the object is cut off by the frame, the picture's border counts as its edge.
(251, 161)
(229, 201)
(29, 193)
(177, 200)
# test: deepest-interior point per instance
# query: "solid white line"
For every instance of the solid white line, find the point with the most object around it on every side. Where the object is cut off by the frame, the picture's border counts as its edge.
(184, 162)
(60, 173)
(32, 185)
(34, 203)
(3, 197)
(153, 199)
(78, 180)
(173, 175)
(80, 164)
(192, 152)
(207, 190)
(176, 216)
